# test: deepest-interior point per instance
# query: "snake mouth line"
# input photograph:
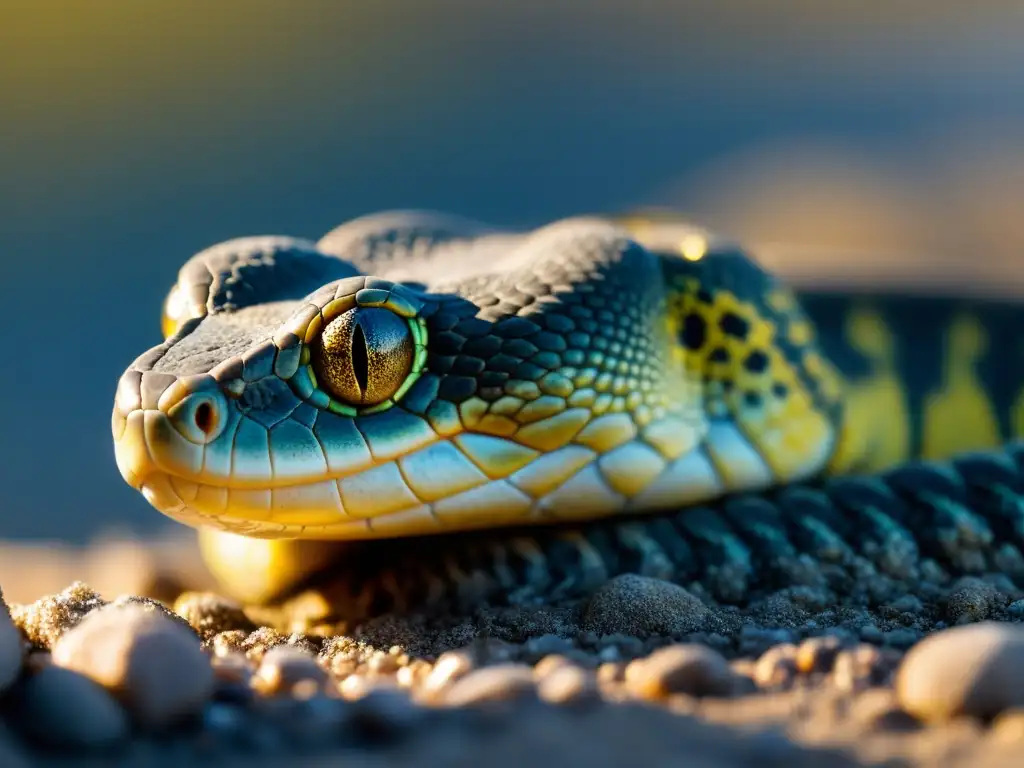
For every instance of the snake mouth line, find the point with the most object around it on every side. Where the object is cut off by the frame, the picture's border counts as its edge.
(389, 499)
(145, 445)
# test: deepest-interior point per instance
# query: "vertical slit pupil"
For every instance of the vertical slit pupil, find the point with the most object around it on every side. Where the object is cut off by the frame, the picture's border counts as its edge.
(360, 359)
(204, 417)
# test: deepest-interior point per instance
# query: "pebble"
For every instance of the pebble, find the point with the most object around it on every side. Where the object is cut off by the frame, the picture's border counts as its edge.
(975, 670)
(233, 668)
(500, 683)
(60, 708)
(285, 667)
(642, 606)
(12, 651)
(549, 664)
(568, 684)
(210, 614)
(449, 667)
(226, 643)
(153, 665)
(972, 600)
(413, 674)
(611, 672)
(817, 654)
(257, 643)
(358, 686)
(864, 666)
(48, 618)
(693, 669)
(1009, 726)
(384, 663)
(777, 667)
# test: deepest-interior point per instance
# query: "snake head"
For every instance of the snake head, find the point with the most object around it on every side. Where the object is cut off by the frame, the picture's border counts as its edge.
(414, 374)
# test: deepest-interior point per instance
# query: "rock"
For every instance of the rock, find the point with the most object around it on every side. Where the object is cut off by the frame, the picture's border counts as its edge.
(232, 668)
(257, 643)
(448, 668)
(1009, 727)
(413, 674)
(549, 664)
(972, 600)
(152, 664)
(611, 672)
(209, 614)
(975, 670)
(57, 707)
(232, 674)
(817, 654)
(568, 684)
(693, 669)
(500, 683)
(641, 606)
(12, 650)
(226, 643)
(383, 663)
(864, 666)
(285, 667)
(358, 686)
(48, 618)
(777, 667)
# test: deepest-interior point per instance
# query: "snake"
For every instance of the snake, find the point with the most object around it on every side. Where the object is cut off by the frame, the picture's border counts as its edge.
(416, 378)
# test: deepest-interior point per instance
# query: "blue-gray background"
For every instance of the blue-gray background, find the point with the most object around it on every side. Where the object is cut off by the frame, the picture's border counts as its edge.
(134, 134)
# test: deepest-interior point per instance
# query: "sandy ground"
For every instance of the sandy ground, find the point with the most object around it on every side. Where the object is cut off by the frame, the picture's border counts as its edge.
(470, 690)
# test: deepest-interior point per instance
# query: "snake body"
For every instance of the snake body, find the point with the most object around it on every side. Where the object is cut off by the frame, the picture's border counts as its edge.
(415, 373)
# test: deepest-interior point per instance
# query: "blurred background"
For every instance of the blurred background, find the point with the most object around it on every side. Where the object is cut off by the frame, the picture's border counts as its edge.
(842, 138)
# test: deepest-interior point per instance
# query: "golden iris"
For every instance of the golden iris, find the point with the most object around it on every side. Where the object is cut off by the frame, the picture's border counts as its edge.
(363, 356)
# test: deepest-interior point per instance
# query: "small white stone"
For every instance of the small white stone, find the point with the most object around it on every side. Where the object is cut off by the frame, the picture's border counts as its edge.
(975, 670)
(151, 663)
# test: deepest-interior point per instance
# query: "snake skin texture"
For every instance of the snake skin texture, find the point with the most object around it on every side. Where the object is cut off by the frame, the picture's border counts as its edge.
(580, 375)
(923, 520)
(416, 373)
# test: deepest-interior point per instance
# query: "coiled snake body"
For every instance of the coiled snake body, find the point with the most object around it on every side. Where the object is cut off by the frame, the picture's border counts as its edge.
(414, 373)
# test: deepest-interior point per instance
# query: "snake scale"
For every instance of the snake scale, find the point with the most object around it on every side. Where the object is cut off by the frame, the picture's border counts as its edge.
(601, 395)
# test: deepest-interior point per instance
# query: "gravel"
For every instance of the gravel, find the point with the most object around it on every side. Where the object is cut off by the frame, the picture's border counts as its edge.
(691, 669)
(641, 606)
(59, 708)
(500, 683)
(638, 671)
(152, 664)
(975, 670)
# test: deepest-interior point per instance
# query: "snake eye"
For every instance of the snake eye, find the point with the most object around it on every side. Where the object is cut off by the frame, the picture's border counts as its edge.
(363, 356)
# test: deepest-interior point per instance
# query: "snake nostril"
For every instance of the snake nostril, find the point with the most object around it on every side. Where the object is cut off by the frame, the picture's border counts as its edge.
(199, 417)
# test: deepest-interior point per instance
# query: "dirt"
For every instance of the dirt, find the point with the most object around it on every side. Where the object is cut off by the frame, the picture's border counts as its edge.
(640, 670)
